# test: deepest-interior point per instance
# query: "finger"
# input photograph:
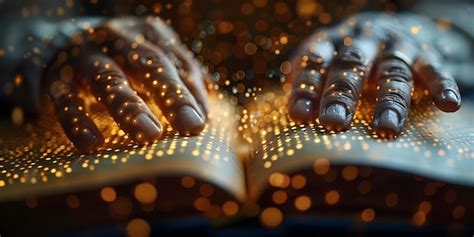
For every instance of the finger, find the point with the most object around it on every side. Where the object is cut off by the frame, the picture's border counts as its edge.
(193, 77)
(441, 85)
(161, 34)
(149, 65)
(307, 84)
(71, 114)
(394, 88)
(347, 73)
(110, 86)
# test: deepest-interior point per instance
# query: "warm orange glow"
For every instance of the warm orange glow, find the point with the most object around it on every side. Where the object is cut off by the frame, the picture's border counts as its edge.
(419, 218)
(138, 228)
(424, 207)
(321, 166)
(188, 182)
(391, 200)
(279, 180)
(145, 193)
(350, 173)
(230, 208)
(331, 197)
(206, 190)
(108, 194)
(368, 215)
(271, 217)
(298, 182)
(202, 204)
(279, 197)
(302, 203)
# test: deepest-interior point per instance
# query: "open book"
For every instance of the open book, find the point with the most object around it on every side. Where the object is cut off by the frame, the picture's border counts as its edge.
(248, 160)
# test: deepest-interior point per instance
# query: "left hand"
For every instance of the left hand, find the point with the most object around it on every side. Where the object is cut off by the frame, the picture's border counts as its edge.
(332, 66)
(120, 61)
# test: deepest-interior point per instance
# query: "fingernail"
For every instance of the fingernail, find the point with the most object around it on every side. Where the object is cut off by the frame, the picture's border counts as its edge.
(449, 95)
(302, 109)
(334, 117)
(147, 130)
(189, 121)
(87, 142)
(388, 123)
(450, 101)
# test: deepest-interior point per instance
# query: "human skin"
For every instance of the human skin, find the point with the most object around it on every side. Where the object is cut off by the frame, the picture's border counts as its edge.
(332, 66)
(114, 61)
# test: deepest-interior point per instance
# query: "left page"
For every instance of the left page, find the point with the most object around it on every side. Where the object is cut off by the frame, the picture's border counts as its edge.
(37, 159)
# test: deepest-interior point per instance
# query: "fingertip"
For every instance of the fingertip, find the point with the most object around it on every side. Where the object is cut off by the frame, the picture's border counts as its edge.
(188, 121)
(86, 140)
(147, 129)
(301, 110)
(387, 123)
(448, 101)
(334, 117)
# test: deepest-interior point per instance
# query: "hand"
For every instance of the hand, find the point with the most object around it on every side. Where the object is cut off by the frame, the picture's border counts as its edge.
(112, 61)
(332, 66)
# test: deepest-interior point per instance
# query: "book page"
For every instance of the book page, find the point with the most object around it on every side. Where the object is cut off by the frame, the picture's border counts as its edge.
(433, 144)
(38, 160)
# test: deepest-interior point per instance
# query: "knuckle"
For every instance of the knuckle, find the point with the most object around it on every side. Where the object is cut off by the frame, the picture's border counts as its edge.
(109, 76)
(341, 98)
(395, 70)
(393, 100)
(344, 83)
(350, 56)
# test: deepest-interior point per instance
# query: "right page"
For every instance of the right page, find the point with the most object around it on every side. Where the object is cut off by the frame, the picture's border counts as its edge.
(304, 167)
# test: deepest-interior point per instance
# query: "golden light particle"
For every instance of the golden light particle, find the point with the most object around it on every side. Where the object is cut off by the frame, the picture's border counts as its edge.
(391, 200)
(206, 190)
(350, 173)
(367, 215)
(230, 208)
(202, 204)
(138, 228)
(415, 29)
(290, 152)
(332, 197)
(188, 182)
(17, 116)
(459, 212)
(108, 194)
(302, 203)
(2, 183)
(419, 218)
(424, 207)
(298, 181)
(279, 180)
(279, 197)
(145, 193)
(18, 80)
(286, 67)
(250, 48)
(321, 166)
(347, 41)
(271, 217)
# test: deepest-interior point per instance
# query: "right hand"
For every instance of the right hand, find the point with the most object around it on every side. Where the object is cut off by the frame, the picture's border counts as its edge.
(143, 52)
(333, 65)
